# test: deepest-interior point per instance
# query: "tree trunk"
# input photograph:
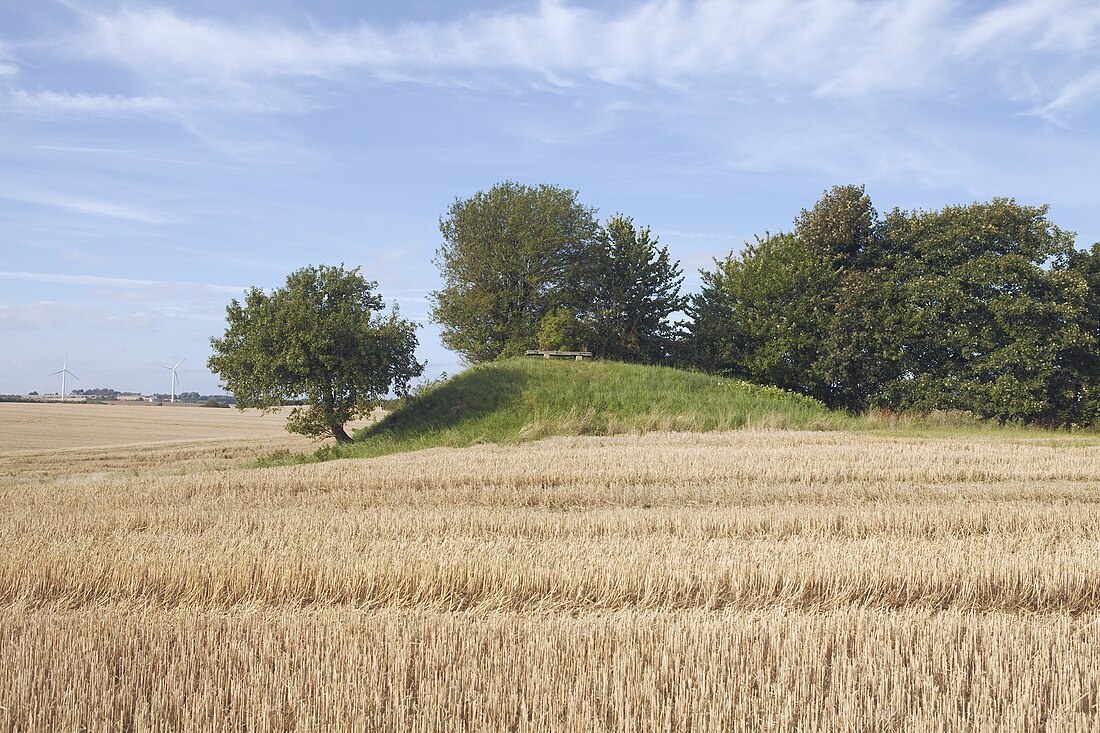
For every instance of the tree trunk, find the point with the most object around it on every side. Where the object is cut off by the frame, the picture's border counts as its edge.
(340, 435)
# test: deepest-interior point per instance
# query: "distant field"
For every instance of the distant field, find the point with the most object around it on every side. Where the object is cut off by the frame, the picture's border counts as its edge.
(751, 580)
(26, 426)
(56, 438)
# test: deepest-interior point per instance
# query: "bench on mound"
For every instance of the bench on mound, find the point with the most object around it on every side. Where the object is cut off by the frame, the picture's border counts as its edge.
(578, 355)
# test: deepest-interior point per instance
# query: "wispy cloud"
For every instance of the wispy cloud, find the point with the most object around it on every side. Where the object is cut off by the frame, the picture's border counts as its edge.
(82, 104)
(52, 314)
(115, 282)
(842, 49)
(80, 205)
(1079, 93)
(7, 67)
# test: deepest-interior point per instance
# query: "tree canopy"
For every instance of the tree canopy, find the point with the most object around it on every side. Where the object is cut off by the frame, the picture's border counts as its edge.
(986, 308)
(323, 339)
(994, 312)
(527, 266)
(635, 288)
(511, 256)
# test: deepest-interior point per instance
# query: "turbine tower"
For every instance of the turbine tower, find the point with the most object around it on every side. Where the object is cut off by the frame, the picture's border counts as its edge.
(64, 370)
(175, 379)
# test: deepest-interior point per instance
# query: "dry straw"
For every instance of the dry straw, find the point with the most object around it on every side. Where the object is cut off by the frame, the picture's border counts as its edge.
(740, 581)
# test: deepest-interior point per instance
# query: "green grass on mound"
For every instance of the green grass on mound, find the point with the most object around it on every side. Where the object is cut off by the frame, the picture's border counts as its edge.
(526, 399)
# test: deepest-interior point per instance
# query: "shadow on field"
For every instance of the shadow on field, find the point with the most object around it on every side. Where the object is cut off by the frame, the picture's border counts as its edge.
(472, 394)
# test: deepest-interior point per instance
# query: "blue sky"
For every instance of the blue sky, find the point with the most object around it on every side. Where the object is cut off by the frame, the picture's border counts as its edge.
(158, 158)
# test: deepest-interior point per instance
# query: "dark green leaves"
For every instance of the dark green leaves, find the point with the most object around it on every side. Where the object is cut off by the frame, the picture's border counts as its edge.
(985, 308)
(635, 288)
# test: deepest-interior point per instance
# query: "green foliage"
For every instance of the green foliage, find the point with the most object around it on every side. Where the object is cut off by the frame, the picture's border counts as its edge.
(994, 312)
(759, 315)
(843, 227)
(524, 266)
(985, 308)
(321, 339)
(562, 330)
(807, 311)
(1087, 361)
(861, 352)
(635, 288)
(510, 256)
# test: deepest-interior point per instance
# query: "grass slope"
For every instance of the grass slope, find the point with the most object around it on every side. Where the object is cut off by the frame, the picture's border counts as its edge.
(527, 399)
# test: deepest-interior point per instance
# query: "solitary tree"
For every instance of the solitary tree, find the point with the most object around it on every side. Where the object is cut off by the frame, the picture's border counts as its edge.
(511, 257)
(323, 339)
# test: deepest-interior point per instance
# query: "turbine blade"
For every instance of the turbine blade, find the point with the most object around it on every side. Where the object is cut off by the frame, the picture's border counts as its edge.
(177, 366)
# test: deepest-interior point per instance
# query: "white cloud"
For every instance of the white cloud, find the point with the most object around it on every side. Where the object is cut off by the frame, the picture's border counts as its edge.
(847, 48)
(845, 75)
(115, 282)
(1062, 26)
(1079, 93)
(1039, 54)
(62, 103)
(52, 314)
(93, 207)
(7, 67)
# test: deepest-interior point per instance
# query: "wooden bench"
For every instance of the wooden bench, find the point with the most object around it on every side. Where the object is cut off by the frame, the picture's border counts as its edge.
(578, 355)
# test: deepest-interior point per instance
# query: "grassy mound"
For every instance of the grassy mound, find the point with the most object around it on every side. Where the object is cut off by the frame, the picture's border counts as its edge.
(527, 399)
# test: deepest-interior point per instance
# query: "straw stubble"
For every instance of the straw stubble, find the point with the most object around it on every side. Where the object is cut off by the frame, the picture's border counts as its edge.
(737, 581)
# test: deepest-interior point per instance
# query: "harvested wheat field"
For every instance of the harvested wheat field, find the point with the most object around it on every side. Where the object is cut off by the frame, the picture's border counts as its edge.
(778, 581)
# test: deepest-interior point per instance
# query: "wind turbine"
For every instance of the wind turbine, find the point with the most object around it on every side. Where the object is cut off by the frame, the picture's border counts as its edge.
(63, 371)
(175, 379)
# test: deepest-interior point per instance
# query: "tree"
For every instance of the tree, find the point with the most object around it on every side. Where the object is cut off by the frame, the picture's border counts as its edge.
(759, 315)
(842, 226)
(322, 339)
(998, 314)
(511, 256)
(1086, 411)
(986, 308)
(808, 311)
(859, 351)
(635, 288)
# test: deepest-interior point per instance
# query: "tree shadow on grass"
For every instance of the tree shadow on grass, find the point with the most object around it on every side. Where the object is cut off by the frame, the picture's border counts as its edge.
(471, 395)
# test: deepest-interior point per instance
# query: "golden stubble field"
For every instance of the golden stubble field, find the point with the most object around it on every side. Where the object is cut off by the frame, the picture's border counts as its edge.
(740, 581)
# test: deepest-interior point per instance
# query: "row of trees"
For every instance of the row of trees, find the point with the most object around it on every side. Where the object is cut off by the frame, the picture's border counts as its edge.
(987, 308)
